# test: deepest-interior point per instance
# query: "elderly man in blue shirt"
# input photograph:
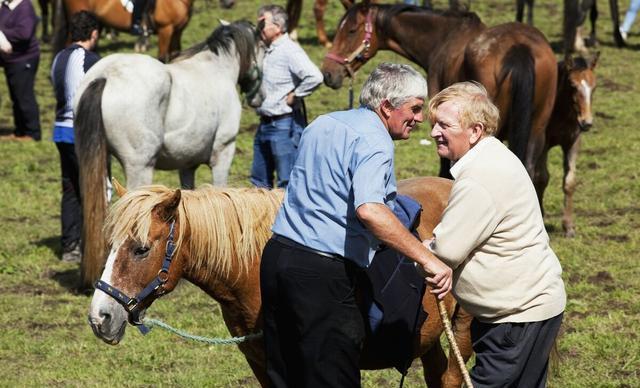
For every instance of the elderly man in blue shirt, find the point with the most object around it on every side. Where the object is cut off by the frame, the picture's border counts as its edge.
(337, 210)
(288, 76)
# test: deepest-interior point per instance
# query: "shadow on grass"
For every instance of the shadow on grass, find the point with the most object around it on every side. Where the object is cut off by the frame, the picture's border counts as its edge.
(53, 243)
(70, 280)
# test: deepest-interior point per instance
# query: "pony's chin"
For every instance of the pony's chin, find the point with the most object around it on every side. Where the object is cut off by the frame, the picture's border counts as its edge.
(111, 339)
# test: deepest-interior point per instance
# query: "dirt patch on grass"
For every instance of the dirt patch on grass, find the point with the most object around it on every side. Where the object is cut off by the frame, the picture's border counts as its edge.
(613, 86)
(620, 238)
(601, 278)
(30, 289)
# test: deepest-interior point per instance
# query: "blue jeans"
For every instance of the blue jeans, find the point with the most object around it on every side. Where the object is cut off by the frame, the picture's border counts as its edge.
(630, 16)
(274, 150)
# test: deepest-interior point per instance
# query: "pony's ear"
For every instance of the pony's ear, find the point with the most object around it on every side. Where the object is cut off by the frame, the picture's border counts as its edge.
(594, 60)
(120, 190)
(568, 63)
(223, 22)
(167, 208)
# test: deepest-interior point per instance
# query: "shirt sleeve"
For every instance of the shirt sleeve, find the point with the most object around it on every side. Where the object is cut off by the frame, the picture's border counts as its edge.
(370, 168)
(469, 219)
(306, 71)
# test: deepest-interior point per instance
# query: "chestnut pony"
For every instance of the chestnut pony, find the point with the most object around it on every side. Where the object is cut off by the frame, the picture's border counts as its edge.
(169, 18)
(513, 61)
(294, 9)
(217, 237)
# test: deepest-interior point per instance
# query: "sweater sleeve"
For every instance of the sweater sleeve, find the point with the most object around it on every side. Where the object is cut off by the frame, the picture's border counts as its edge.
(469, 219)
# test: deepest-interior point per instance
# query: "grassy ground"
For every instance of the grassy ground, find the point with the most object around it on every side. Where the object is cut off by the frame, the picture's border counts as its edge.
(45, 339)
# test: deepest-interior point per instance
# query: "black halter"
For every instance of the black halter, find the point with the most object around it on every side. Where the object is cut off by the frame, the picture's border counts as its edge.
(132, 305)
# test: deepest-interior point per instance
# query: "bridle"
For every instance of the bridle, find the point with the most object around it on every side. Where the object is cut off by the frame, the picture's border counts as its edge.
(361, 52)
(252, 87)
(154, 288)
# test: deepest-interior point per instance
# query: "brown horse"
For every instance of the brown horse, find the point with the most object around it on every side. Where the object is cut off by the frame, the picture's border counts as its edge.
(513, 61)
(294, 9)
(572, 115)
(219, 235)
(169, 18)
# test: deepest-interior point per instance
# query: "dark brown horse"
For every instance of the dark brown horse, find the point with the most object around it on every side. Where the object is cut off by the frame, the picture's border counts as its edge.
(219, 235)
(513, 61)
(168, 20)
(572, 115)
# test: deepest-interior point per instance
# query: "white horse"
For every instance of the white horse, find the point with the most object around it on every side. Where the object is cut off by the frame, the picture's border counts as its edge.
(168, 116)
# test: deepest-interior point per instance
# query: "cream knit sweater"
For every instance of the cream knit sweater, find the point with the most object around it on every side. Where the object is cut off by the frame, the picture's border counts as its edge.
(493, 236)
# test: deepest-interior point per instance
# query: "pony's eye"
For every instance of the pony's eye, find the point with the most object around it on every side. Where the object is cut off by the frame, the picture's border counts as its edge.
(141, 252)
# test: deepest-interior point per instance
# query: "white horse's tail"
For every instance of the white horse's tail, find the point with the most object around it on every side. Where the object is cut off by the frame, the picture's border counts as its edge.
(91, 150)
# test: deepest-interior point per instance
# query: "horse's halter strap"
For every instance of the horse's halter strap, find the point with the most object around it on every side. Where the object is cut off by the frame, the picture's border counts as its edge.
(255, 76)
(361, 51)
(132, 305)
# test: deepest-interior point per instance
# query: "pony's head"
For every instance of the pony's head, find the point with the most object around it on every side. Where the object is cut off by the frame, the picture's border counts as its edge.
(143, 264)
(581, 78)
(158, 236)
(355, 42)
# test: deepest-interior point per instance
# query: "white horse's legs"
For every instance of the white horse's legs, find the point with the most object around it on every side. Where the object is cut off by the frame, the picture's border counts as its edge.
(220, 162)
(138, 175)
(188, 178)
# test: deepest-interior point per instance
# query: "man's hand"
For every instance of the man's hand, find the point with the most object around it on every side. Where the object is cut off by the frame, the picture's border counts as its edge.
(439, 277)
(291, 97)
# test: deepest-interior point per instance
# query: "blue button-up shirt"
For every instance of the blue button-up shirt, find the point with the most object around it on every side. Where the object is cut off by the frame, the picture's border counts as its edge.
(345, 159)
(286, 67)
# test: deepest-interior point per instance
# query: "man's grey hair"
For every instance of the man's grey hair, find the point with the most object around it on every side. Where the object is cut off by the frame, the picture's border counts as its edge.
(393, 82)
(279, 15)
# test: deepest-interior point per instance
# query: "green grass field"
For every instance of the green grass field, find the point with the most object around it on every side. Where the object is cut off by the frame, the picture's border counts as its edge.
(45, 339)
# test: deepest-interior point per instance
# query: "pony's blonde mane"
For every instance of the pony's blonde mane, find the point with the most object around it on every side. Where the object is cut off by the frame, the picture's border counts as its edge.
(228, 226)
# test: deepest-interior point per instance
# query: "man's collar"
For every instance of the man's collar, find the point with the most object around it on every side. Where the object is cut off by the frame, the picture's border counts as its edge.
(468, 158)
(12, 4)
(279, 40)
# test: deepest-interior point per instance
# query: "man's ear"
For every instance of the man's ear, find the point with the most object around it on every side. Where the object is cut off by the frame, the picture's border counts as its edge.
(477, 131)
(386, 108)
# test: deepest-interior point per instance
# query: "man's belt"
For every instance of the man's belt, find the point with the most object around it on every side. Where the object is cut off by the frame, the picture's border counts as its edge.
(292, 244)
(270, 119)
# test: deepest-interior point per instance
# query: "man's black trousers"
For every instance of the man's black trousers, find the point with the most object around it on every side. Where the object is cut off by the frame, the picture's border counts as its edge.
(313, 330)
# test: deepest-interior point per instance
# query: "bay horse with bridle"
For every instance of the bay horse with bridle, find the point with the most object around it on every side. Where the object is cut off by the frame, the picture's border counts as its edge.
(214, 239)
(168, 19)
(513, 61)
(150, 115)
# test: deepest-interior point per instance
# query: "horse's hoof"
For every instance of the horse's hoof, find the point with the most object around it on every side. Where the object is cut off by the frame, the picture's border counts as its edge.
(570, 233)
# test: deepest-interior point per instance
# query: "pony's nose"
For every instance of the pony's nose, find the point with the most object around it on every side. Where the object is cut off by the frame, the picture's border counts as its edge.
(585, 125)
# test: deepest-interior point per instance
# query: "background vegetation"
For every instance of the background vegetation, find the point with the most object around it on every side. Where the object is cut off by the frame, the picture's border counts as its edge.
(45, 339)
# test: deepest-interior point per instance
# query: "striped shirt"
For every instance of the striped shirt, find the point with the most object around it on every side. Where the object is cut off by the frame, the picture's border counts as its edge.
(68, 69)
(286, 68)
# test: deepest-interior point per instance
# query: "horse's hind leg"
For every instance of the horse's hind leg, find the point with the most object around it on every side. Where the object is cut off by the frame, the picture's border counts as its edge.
(318, 11)
(461, 326)
(434, 365)
(569, 186)
(188, 178)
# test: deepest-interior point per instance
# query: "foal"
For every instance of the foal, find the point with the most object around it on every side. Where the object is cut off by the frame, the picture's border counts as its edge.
(572, 115)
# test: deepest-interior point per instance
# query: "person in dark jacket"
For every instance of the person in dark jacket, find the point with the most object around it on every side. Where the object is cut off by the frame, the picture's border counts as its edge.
(19, 56)
(69, 67)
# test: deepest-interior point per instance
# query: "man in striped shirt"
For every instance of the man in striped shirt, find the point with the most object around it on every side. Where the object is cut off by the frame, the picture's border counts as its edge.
(68, 69)
(289, 75)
